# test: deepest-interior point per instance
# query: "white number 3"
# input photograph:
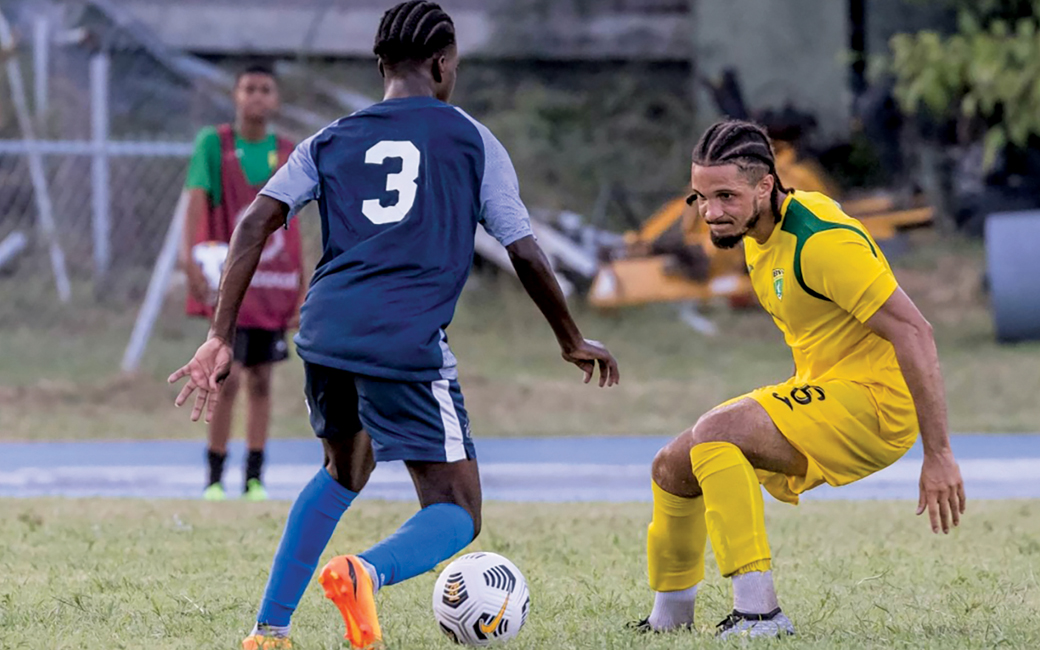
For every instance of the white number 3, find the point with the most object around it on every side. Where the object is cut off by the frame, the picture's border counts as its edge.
(403, 181)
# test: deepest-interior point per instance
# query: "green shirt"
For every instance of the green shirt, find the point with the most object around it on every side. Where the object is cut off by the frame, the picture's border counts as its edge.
(258, 158)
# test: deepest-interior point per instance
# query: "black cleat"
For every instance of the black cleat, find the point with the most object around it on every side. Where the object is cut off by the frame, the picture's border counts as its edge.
(644, 627)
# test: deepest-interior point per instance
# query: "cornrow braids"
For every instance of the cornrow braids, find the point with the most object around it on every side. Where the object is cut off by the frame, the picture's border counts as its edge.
(413, 31)
(744, 144)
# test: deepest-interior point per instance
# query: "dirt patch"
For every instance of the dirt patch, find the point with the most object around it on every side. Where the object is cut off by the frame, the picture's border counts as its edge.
(125, 392)
(947, 283)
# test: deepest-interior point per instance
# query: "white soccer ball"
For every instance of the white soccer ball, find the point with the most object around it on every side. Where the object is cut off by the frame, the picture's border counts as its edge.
(481, 598)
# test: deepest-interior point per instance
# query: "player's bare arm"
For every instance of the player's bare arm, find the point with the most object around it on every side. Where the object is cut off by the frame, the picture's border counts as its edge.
(212, 361)
(942, 489)
(538, 279)
(195, 213)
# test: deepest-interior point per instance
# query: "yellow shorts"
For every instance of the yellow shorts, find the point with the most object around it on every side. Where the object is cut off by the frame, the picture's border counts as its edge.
(839, 428)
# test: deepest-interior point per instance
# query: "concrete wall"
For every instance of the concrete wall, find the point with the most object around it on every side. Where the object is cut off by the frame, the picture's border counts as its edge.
(783, 51)
(548, 29)
(885, 18)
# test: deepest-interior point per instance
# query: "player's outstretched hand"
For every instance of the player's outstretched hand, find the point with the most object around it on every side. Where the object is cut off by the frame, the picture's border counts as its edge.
(205, 372)
(587, 355)
(942, 491)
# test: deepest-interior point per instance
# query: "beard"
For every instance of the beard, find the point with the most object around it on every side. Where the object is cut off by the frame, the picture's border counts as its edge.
(730, 241)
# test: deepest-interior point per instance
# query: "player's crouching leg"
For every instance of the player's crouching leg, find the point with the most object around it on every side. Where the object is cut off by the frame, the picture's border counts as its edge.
(676, 541)
(721, 444)
(705, 485)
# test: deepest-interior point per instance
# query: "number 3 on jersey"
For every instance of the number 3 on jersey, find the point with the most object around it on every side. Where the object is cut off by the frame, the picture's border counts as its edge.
(403, 181)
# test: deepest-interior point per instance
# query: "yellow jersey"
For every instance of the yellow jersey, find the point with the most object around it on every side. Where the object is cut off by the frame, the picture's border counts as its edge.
(821, 276)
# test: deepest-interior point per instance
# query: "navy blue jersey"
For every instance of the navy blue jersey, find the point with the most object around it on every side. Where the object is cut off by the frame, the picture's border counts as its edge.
(401, 187)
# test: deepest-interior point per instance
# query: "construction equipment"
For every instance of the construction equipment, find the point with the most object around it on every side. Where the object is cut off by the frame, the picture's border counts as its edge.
(651, 265)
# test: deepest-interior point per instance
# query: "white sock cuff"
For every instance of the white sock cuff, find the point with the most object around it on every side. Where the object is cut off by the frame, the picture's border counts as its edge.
(681, 596)
(754, 593)
(372, 573)
(672, 609)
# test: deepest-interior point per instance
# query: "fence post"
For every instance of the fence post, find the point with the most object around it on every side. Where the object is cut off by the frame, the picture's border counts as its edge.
(100, 190)
(41, 70)
(44, 209)
(156, 293)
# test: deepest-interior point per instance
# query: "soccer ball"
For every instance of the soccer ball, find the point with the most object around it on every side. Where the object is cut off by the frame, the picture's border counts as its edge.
(481, 598)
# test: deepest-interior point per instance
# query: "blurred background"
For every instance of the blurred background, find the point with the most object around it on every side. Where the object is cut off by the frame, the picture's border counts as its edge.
(921, 118)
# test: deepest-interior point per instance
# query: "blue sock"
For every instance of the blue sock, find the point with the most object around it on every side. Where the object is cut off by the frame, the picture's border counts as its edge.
(310, 525)
(432, 535)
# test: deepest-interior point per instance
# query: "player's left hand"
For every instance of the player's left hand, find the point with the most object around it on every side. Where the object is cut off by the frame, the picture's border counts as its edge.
(205, 372)
(942, 491)
(587, 354)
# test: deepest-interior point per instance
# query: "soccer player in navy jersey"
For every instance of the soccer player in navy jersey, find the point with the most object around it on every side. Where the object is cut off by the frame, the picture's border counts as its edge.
(401, 187)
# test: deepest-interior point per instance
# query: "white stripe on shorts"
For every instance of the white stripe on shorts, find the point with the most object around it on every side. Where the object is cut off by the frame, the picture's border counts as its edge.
(453, 448)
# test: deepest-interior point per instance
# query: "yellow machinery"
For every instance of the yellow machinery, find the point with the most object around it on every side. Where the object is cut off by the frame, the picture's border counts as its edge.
(645, 274)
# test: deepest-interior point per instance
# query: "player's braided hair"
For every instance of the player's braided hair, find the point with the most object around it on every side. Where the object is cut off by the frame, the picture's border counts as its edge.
(744, 144)
(413, 31)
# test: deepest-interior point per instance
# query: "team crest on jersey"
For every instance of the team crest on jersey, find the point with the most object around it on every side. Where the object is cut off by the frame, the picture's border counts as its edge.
(778, 283)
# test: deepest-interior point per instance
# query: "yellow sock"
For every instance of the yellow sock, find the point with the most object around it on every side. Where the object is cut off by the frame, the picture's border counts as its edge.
(675, 542)
(735, 514)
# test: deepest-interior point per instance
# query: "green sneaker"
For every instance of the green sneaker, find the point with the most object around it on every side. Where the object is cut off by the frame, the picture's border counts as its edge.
(255, 491)
(214, 492)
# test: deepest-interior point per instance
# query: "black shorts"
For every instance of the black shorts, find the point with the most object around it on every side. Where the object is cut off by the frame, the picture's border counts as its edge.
(256, 347)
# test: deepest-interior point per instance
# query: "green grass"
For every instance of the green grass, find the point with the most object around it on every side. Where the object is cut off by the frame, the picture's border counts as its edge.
(59, 379)
(167, 575)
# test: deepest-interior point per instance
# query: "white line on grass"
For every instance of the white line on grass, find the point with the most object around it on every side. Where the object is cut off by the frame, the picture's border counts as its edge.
(984, 478)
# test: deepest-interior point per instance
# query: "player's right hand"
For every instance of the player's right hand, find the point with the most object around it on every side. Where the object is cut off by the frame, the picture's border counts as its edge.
(941, 490)
(205, 372)
(587, 354)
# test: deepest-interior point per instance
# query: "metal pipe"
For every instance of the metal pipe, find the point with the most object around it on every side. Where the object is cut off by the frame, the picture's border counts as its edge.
(156, 293)
(11, 246)
(90, 148)
(41, 69)
(100, 188)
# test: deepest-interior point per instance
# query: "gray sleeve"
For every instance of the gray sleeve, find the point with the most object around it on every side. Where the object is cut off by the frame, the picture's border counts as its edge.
(502, 212)
(296, 182)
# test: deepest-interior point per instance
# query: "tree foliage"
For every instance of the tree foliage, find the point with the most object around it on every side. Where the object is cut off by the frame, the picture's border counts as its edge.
(988, 72)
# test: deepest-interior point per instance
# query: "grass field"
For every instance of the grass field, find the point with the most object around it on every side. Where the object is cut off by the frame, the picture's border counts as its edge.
(180, 575)
(59, 380)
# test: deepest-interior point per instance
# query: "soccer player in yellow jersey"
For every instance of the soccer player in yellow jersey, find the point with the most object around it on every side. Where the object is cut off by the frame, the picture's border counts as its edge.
(866, 382)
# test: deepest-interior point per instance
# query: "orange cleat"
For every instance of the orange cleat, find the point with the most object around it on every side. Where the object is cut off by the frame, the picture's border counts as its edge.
(261, 642)
(348, 585)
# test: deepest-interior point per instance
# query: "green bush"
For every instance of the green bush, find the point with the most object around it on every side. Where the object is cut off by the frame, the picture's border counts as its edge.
(987, 72)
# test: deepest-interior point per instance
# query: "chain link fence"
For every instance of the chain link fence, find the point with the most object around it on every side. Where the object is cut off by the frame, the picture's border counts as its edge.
(97, 122)
(95, 133)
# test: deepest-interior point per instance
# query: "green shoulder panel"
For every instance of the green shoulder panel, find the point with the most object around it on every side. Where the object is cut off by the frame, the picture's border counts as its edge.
(803, 224)
(204, 168)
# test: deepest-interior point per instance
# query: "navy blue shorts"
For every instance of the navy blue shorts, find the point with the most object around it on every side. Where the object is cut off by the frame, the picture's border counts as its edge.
(422, 421)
